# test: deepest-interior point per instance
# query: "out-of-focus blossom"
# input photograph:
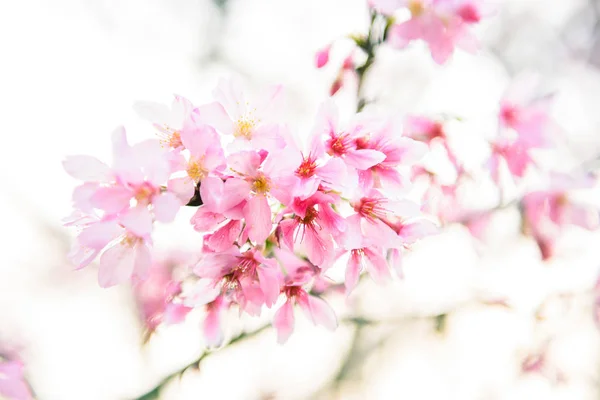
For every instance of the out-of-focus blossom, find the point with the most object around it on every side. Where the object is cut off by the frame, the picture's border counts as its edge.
(548, 211)
(157, 296)
(442, 24)
(13, 385)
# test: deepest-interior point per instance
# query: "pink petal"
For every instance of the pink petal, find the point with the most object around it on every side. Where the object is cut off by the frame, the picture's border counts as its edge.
(12, 381)
(213, 335)
(198, 138)
(283, 321)
(215, 115)
(225, 236)
(333, 172)
(319, 312)
(151, 159)
(202, 293)
(81, 256)
(396, 262)
(319, 247)
(364, 158)
(99, 234)
(87, 168)
(205, 220)
(116, 265)
(183, 188)
(352, 272)
(269, 280)
(142, 261)
(82, 196)
(111, 199)
(376, 265)
(219, 196)
(230, 94)
(166, 206)
(244, 162)
(258, 218)
(138, 221)
(413, 231)
(287, 228)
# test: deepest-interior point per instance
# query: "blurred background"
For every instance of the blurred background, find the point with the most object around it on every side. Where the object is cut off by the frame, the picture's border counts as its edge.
(466, 322)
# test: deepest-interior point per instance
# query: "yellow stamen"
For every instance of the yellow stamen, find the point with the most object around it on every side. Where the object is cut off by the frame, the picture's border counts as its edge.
(261, 185)
(416, 8)
(196, 171)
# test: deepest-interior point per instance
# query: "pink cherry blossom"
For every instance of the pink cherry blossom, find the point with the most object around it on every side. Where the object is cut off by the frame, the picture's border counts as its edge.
(134, 179)
(315, 309)
(549, 210)
(253, 124)
(442, 24)
(206, 159)
(12, 381)
(314, 225)
(169, 122)
(248, 279)
(156, 295)
(400, 152)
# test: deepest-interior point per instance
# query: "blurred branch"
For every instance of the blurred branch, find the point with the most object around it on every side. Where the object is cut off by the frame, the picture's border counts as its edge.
(155, 392)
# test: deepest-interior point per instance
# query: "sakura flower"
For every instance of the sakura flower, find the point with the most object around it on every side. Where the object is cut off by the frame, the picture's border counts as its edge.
(442, 24)
(168, 121)
(314, 225)
(342, 144)
(135, 177)
(400, 152)
(548, 211)
(247, 279)
(12, 381)
(156, 295)
(252, 124)
(206, 158)
(123, 241)
(260, 178)
(299, 273)
(527, 114)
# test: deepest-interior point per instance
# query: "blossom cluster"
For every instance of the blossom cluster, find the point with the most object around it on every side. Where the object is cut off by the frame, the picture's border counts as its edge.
(275, 213)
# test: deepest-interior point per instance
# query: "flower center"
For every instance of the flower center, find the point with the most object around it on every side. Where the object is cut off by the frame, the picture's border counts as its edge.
(339, 145)
(310, 216)
(416, 8)
(261, 184)
(144, 192)
(244, 127)
(307, 168)
(196, 171)
(130, 240)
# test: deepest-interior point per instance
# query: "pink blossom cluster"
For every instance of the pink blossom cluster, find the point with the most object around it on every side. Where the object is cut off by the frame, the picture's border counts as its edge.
(443, 24)
(275, 213)
(13, 385)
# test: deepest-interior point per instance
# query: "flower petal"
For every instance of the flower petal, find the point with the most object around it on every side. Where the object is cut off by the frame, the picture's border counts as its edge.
(166, 207)
(87, 168)
(283, 321)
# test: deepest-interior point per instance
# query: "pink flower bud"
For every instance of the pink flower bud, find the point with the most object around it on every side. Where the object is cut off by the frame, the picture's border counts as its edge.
(322, 57)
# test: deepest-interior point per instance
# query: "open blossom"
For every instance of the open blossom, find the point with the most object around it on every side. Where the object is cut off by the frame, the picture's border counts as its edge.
(549, 210)
(170, 122)
(400, 152)
(314, 225)
(206, 158)
(525, 126)
(12, 382)
(157, 295)
(134, 180)
(253, 124)
(247, 279)
(442, 24)
(299, 274)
